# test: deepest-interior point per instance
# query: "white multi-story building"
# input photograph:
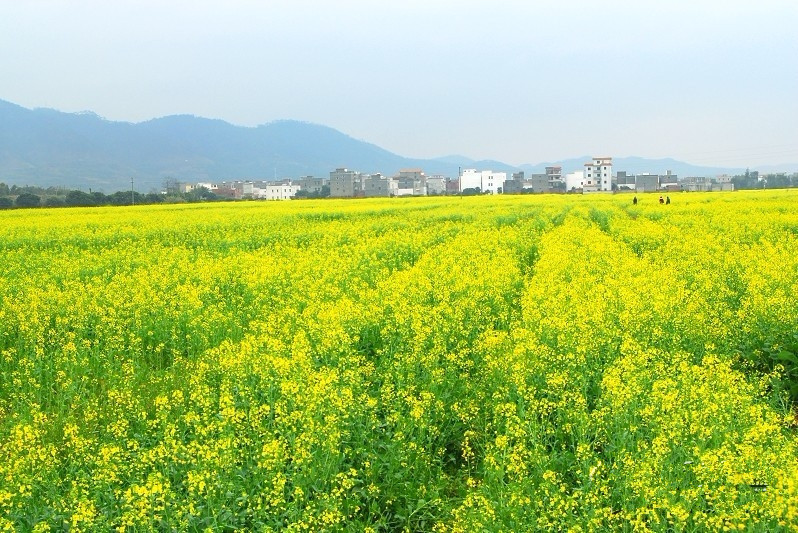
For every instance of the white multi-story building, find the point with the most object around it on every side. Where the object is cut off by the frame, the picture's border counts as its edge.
(696, 183)
(493, 182)
(436, 185)
(556, 183)
(470, 179)
(410, 181)
(376, 185)
(281, 192)
(574, 181)
(275, 190)
(598, 175)
(485, 180)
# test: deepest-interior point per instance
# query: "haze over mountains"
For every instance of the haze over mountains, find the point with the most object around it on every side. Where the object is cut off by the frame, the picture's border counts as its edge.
(45, 147)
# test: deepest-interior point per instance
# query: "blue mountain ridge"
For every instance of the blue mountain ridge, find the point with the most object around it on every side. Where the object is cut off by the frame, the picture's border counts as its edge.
(46, 147)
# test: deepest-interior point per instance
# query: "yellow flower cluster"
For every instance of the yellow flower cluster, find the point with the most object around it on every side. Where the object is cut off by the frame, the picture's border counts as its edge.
(516, 363)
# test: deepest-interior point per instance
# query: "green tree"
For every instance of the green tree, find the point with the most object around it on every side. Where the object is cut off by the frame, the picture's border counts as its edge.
(125, 198)
(79, 198)
(323, 193)
(201, 193)
(27, 199)
(54, 201)
(99, 198)
(778, 181)
(153, 198)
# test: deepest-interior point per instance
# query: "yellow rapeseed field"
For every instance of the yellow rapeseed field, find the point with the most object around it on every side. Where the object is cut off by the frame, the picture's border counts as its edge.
(505, 363)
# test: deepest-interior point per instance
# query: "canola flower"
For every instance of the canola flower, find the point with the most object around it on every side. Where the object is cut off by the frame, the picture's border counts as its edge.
(449, 364)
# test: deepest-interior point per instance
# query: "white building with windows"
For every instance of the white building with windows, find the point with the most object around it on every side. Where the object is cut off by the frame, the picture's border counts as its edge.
(556, 183)
(486, 180)
(410, 182)
(276, 191)
(436, 185)
(345, 183)
(598, 175)
(574, 181)
(376, 185)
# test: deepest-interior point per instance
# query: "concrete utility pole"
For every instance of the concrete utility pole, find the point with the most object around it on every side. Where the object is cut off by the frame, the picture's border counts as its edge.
(132, 195)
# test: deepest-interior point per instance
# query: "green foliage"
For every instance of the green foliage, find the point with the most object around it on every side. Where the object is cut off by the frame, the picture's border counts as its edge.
(778, 357)
(80, 198)
(54, 201)
(28, 200)
(324, 193)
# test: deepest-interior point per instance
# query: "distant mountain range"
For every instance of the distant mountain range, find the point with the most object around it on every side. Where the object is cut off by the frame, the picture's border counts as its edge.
(45, 147)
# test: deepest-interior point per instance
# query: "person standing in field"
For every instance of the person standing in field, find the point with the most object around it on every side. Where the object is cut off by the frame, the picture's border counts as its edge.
(634, 200)
(667, 200)
(661, 200)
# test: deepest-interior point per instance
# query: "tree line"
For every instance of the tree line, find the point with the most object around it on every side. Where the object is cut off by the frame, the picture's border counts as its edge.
(752, 180)
(32, 196)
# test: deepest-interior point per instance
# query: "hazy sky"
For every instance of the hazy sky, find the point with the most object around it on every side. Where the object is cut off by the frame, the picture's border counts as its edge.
(710, 82)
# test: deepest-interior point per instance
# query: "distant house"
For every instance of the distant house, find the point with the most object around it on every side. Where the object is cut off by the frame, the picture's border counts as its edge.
(312, 185)
(574, 181)
(436, 185)
(554, 179)
(279, 191)
(485, 180)
(537, 183)
(696, 184)
(519, 183)
(225, 192)
(376, 185)
(410, 181)
(626, 181)
(453, 186)
(244, 189)
(598, 175)
(647, 182)
(345, 183)
(669, 182)
(515, 184)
